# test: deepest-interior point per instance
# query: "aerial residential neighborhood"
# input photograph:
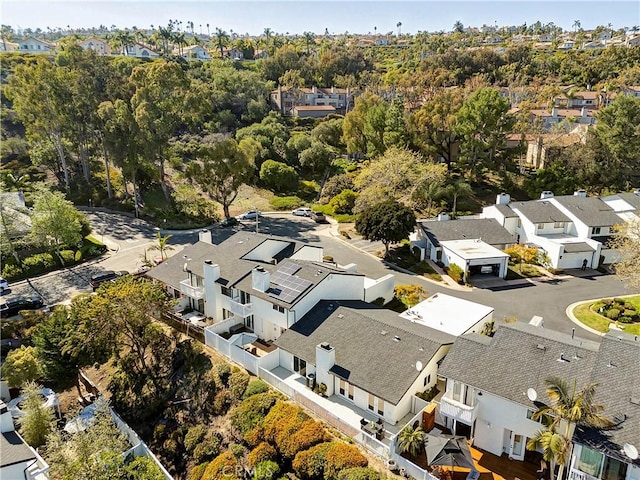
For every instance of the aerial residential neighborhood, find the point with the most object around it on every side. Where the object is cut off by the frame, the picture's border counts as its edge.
(330, 241)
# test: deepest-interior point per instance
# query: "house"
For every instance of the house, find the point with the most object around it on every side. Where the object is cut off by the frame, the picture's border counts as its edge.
(193, 52)
(98, 45)
(340, 344)
(595, 45)
(586, 99)
(33, 45)
(284, 99)
(261, 282)
(9, 46)
(470, 243)
(495, 384)
(633, 41)
(633, 90)
(17, 458)
(566, 116)
(232, 53)
(613, 453)
(546, 147)
(141, 51)
(626, 205)
(258, 54)
(566, 45)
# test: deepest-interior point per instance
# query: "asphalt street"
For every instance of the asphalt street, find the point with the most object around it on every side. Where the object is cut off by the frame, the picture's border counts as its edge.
(128, 238)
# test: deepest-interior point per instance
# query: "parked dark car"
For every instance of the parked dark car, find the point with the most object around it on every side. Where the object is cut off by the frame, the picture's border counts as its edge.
(229, 222)
(106, 276)
(318, 217)
(16, 304)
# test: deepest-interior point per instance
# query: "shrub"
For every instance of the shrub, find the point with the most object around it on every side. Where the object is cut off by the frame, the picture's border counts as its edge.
(21, 366)
(68, 257)
(630, 312)
(359, 473)
(344, 201)
(613, 313)
(409, 295)
(238, 382)
(194, 436)
(222, 372)
(11, 272)
(237, 450)
(285, 203)
(309, 464)
(223, 467)
(221, 402)
(255, 387)
(38, 264)
(327, 258)
(310, 433)
(197, 472)
(261, 453)
(342, 456)
(455, 272)
(279, 176)
(207, 449)
(625, 319)
(308, 189)
(246, 416)
(267, 470)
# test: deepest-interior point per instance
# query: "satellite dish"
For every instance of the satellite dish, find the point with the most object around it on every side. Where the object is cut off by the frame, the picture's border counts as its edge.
(532, 394)
(419, 366)
(630, 451)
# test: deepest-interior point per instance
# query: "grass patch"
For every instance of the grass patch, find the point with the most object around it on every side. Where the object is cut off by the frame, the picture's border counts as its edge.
(526, 270)
(403, 257)
(586, 314)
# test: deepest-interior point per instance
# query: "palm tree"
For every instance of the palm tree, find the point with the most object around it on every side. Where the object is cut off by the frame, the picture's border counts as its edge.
(569, 407)
(223, 38)
(208, 31)
(162, 245)
(399, 25)
(267, 34)
(459, 188)
(576, 25)
(411, 440)
(309, 37)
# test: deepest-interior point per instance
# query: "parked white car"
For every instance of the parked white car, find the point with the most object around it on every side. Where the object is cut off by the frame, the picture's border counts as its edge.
(250, 215)
(302, 212)
(4, 286)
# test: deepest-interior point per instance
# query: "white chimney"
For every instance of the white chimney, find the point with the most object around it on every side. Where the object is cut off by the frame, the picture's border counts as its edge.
(6, 420)
(546, 194)
(554, 112)
(583, 112)
(333, 90)
(580, 193)
(205, 236)
(503, 199)
(443, 217)
(260, 279)
(211, 271)
(325, 360)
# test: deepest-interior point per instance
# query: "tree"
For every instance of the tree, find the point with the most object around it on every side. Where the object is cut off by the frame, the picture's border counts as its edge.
(162, 246)
(359, 126)
(309, 38)
(388, 221)
(519, 254)
(222, 38)
(279, 176)
(222, 168)
(627, 243)
(411, 440)
(38, 420)
(21, 366)
(458, 27)
(457, 189)
(569, 407)
(54, 220)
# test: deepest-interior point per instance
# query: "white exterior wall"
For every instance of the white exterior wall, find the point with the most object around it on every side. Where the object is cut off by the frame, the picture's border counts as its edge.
(549, 228)
(380, 288)
(267, 322)
(633, 471)
(450, 257)
(526, 230)
(333, 287)
(495, 414)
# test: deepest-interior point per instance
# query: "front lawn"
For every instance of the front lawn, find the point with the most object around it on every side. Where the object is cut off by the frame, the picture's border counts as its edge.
(587, 314)
(526, 270)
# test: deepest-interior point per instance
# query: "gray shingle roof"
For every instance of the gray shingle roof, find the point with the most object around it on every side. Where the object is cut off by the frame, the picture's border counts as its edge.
(577, 247)
(14, 450)
(505, 210)
(540, 211)
(518, 357)
(365, 357)
(631, 198)
(488, 229)
(616, 370)
(591, 211)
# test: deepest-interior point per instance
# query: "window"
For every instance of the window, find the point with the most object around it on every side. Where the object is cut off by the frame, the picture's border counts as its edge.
(245, 298)
(248, 322)
(427, 380)
(278, 308)
(343, 387)
(226, 314)
(590, 461)
(595, 230)
(541, 226)
(371, 397)
(380, 406)
(226, 291)
(299, 365)
(350, 392)
(614, 469)
(558, 225)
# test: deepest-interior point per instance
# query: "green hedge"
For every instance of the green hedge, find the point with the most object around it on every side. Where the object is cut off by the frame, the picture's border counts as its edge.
(285, 203)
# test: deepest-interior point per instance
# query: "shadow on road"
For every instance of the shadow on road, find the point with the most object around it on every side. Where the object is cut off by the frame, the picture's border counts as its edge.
(501, 288)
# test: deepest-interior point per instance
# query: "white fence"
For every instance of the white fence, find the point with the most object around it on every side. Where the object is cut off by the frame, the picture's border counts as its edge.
(275, 382)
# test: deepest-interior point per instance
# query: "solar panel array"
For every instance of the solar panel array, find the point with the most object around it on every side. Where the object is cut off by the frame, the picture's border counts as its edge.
(289, 286)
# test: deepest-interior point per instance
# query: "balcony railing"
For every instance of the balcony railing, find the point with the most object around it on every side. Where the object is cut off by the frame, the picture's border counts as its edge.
(454, 409)
(191, 291)
(240, 309)
(580, 475)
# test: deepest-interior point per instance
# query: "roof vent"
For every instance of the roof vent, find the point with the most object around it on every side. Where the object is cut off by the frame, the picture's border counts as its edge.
(396, 338)
(563, 359)
(541, 347)
(208, 262)
(340, 315)
(611, 364)
(635, 400)
(383, 332)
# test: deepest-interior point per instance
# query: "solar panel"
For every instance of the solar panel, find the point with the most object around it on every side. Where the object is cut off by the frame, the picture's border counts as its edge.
(289, 268)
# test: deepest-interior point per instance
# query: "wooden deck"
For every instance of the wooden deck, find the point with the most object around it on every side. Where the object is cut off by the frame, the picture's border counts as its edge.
(491, 467)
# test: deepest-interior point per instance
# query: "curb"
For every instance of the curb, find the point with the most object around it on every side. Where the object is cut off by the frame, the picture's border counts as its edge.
(572, 317)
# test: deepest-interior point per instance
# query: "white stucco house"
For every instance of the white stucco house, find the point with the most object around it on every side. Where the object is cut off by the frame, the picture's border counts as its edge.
(17, 458)
(263, 283)
(626, 205)
(141, 51)
(97, 44)
(193, 52)
(474, 244)
(33, 45)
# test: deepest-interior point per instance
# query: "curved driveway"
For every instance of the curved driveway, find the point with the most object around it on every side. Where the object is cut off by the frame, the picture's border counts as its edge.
(128, 238)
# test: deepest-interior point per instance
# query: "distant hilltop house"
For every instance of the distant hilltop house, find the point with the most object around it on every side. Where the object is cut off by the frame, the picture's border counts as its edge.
(33, 45)
(98, 45)
(193, 52)
(312, 102)
(140, 50)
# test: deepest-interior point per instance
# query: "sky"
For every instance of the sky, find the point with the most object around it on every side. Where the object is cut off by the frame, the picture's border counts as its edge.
(314, 15)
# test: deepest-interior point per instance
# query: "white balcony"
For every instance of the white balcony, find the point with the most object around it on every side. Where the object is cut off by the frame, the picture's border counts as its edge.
(575, 474)
(191, 291)
(459, 411)
(242, 310)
